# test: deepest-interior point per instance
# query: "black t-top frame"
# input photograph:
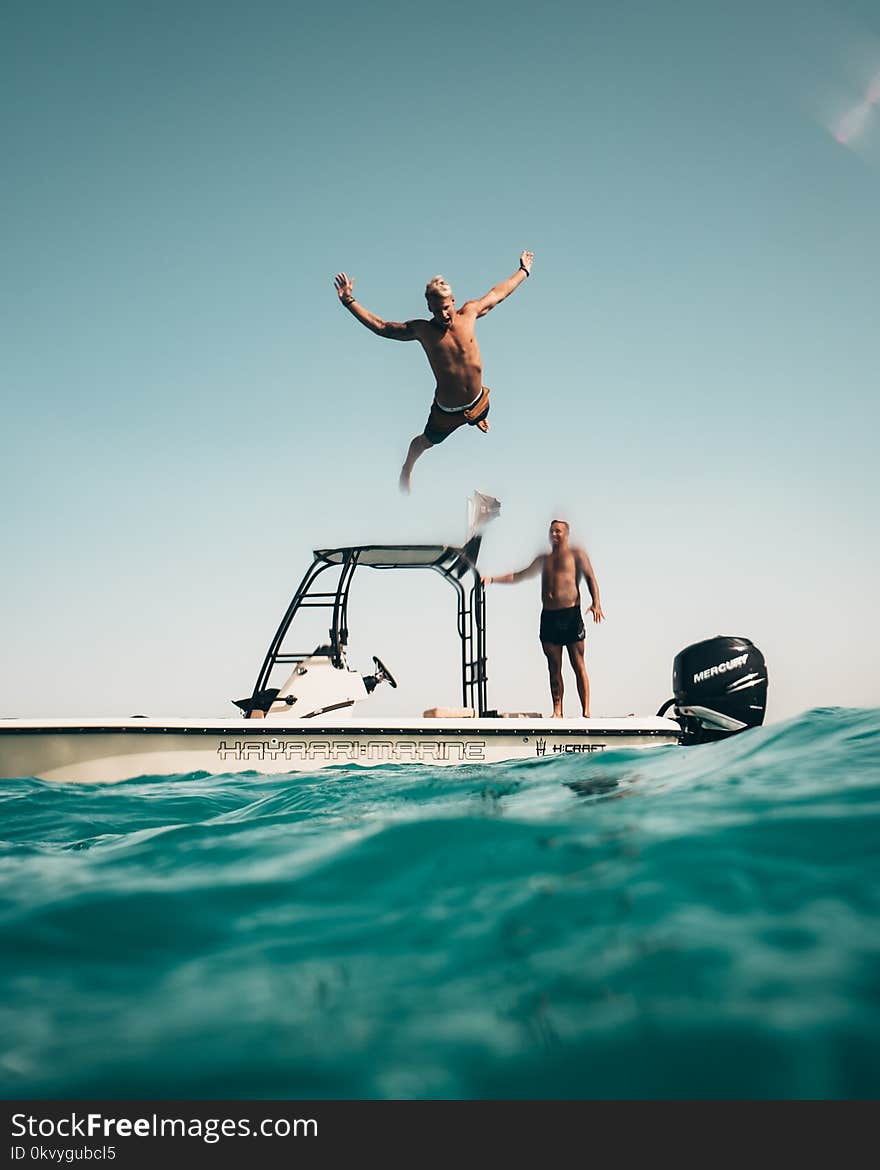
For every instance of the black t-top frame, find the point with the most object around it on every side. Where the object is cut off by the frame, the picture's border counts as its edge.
(456, 565)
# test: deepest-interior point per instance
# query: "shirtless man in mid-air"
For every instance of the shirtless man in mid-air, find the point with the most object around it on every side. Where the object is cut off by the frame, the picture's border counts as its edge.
(561, 620)
(448, 340)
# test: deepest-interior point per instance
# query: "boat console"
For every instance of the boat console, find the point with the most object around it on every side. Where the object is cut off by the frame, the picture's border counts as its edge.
(316, 685)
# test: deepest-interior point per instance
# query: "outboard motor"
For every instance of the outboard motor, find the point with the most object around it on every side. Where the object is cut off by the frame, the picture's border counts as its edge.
(720, 688)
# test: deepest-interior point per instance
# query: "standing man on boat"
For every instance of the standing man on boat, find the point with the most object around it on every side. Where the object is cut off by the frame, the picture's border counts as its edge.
(561, 621)
(450, 345)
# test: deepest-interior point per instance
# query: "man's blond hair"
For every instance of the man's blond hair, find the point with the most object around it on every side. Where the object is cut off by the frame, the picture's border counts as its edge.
(438, 286)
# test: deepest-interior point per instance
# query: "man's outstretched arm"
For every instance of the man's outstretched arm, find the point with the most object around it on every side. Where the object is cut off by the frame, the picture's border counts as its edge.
(497, 294)
(531, 570)
(395, 330)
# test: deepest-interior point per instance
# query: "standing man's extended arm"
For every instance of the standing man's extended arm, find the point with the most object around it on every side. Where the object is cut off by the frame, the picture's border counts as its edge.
(497, 294)
(585, 566)
(531, 570)
(394, 330)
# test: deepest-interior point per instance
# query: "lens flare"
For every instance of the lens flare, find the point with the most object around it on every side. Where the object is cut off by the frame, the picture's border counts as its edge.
(852, 125)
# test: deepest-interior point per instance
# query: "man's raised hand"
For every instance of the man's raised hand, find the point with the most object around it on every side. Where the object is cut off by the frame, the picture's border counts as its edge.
(525, 262)
(344, 288)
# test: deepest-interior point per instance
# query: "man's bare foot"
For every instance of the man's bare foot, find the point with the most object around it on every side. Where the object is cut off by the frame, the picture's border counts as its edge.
(557, 715)
(483, 425)
(404, 483)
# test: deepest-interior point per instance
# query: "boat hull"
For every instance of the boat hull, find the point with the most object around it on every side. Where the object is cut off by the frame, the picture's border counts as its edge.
(112, 751)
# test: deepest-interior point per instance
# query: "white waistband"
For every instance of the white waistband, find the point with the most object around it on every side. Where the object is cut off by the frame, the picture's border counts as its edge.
(457, 409)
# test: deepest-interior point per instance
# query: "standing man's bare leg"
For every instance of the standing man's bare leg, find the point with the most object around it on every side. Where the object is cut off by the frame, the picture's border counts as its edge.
(417, 447)
(576, 658)
(554, 666)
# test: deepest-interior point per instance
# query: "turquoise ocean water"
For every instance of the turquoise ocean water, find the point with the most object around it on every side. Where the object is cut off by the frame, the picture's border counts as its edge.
(667, 923)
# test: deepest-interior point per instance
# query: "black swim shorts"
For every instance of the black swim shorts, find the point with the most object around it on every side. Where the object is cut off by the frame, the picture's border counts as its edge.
(562, 627)
(442, 421)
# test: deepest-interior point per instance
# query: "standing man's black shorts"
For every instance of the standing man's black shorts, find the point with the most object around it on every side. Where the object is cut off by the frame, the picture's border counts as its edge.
(562, 627)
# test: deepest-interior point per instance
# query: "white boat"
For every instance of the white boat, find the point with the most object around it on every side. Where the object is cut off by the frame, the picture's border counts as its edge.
(305, 722)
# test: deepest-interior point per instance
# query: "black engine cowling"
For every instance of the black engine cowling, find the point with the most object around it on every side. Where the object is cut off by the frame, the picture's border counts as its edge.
(719, 688)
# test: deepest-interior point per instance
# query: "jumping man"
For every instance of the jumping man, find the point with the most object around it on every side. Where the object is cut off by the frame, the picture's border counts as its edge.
(561, 620)
(450, 345)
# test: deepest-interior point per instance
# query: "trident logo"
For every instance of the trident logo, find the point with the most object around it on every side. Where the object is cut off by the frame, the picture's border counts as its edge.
(540, 747)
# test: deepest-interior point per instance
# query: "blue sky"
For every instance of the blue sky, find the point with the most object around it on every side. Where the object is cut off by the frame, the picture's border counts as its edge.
(690, 376)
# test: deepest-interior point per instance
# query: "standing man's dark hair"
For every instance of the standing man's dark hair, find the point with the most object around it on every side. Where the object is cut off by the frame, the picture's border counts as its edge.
(561, 620)
(450, 345)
